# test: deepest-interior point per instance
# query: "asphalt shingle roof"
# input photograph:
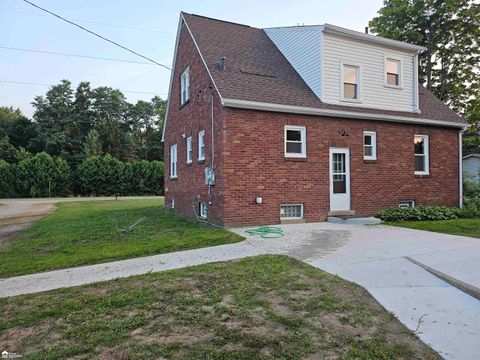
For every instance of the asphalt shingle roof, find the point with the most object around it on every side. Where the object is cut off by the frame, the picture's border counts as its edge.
(256, 70)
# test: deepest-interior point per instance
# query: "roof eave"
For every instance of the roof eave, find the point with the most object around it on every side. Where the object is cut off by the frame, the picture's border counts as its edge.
(262, 106)
(332, 29)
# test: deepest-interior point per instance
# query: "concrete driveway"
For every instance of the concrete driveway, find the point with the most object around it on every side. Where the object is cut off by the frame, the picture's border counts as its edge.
(375, 258)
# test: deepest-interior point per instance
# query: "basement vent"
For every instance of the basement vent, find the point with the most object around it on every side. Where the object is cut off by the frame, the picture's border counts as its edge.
(406, 204)
(291, 211)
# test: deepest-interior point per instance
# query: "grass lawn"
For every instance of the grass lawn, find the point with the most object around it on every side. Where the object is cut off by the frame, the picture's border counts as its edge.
(79, 233)
(464, 227)
(257, 308)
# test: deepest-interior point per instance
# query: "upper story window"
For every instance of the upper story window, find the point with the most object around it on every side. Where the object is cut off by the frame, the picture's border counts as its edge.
(295, 141)
(351, 76)
(189, 150)
(173, 161)
(393, 68)
(421, 155)
(185, 86)
(369, 145)
(201, 145)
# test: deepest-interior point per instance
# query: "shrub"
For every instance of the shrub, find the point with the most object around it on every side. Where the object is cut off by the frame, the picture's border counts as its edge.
(7, 179)
(102, 176)
(421, 213)
(42, 176)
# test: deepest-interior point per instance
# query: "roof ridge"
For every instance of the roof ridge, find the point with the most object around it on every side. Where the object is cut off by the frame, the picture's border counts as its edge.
(224, 21)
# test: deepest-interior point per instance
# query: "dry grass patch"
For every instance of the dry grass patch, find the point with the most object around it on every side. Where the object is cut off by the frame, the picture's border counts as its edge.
(264, 307)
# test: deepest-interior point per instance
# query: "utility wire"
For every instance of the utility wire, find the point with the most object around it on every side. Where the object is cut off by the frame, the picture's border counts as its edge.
(43, 84)
(92, 22)
(95, 34)
(75, 55)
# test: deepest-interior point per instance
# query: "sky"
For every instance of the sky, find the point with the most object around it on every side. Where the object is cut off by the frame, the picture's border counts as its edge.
(145, 26)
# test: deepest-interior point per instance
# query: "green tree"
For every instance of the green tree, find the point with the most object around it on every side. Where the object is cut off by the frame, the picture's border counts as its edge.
(450, 32)
(7, 180)
(92, 145)
(102, 175)
(19, 129)
(43, 176)
(8, 152)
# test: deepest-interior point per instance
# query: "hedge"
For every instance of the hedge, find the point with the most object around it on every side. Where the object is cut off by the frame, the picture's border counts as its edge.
(42, 175)
(427, 213)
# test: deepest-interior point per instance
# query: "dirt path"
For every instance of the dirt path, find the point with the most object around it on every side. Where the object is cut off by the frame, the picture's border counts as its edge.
(18, 215)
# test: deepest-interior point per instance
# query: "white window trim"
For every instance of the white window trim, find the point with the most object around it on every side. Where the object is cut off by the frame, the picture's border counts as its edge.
(426, 156)
(359, 83)
(303, 137)
(292, 218)
(373, 135)
(203, 210)
(173, 164)
(189, 150)
(186, 74)
(400, 75)
(201, 144)
(406, 202)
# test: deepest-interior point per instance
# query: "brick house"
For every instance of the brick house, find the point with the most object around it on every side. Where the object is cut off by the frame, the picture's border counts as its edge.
(298, 123)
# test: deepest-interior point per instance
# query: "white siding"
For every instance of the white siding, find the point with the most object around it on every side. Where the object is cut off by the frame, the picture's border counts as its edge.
(471, 168)
(302, 46)
(371, 59)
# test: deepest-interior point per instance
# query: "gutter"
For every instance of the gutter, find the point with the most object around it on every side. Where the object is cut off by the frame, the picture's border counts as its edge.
(262, 106)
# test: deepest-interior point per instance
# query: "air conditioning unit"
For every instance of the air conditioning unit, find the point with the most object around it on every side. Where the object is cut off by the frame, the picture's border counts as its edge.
(209, 176)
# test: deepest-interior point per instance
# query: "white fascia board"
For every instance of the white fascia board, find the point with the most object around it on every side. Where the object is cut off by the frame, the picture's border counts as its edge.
(173, 67)
(262, 106)
(333, 29)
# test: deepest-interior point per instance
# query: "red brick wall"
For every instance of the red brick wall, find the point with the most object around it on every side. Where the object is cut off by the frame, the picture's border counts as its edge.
(255, 166)
(250, 162)
(189, 120)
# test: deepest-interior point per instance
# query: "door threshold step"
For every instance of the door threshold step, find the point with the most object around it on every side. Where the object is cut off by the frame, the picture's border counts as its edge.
(341, 213)
(350, 220)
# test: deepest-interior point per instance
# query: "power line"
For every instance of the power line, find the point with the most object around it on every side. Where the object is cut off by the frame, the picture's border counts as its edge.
(93, 22)
(75, 55)
(97, 35)
(43, 84)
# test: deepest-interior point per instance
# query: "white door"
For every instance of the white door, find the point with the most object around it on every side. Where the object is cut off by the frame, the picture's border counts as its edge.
(339, 179)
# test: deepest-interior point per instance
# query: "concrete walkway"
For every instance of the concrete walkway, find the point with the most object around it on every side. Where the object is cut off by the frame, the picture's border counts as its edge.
(371, 256)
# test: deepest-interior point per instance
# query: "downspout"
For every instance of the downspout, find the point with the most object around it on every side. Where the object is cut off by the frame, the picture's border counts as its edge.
(213, 134)
(460, 169)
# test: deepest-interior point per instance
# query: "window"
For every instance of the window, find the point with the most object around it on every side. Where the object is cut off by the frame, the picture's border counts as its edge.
(393, 72)
(172, 203)
(189, 150)
(203, 210)
(173, 161)
(350, 76)
(369, 145)
(201, 145)
(295, 141)
(421, 155)
(185, 86)
(406, 204)
(291, 211)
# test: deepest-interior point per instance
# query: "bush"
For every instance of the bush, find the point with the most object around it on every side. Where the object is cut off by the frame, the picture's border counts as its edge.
(101, 176)
(7, 180)
(42, 176)
(426, 213)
